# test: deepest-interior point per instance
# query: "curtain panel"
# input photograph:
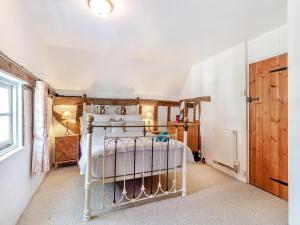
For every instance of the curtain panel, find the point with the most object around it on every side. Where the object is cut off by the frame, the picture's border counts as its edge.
(40, 155)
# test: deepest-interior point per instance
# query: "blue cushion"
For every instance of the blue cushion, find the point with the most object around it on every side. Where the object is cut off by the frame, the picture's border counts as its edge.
(162, 137)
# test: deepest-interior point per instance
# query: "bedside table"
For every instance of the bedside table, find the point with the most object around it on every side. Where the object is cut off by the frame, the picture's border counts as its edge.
(156, 132)
(66, 149)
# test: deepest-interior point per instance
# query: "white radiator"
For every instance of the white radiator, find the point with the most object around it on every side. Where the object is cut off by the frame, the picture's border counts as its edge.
(225, 148)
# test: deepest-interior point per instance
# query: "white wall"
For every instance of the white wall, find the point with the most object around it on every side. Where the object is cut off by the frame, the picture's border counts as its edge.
(223, 77)
(268, 45)
(294, 111)
(17, 184)
(19, 40)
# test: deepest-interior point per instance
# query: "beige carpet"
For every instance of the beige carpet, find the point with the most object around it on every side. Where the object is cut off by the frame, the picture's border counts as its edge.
(214, 199)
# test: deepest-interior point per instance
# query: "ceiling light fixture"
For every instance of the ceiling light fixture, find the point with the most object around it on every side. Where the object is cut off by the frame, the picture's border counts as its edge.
(100, 8)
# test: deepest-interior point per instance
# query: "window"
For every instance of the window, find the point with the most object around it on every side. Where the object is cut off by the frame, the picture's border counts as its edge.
(6, 132)
(10, 119)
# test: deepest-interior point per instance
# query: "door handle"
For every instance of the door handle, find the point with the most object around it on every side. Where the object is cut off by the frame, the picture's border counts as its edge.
(250, 99)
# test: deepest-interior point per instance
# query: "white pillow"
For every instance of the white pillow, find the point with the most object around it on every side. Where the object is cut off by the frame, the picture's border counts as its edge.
(98, 120)
(128, 117)
(117, 130)
(100, 131)
(114, 120)
(135, 123)
(103, 118)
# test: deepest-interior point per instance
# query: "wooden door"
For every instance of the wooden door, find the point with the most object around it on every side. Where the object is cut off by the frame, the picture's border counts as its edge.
(268, 148)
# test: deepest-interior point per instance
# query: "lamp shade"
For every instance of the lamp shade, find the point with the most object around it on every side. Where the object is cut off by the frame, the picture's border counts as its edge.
(67, 115)
(149, 115)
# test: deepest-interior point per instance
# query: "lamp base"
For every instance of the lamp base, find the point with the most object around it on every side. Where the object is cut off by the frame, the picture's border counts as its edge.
(149, 129)
(67, 131)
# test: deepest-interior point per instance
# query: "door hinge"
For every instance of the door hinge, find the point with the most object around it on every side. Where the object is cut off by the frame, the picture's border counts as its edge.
(279, 181)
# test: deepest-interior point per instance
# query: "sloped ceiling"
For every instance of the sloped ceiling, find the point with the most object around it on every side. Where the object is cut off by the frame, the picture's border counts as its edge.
(145, 47)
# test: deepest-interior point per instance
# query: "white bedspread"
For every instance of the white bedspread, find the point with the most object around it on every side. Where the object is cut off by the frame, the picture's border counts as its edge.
(124, 139)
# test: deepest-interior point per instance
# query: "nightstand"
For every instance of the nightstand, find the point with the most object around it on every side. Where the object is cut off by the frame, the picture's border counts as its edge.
(66, 149)
(156, 132)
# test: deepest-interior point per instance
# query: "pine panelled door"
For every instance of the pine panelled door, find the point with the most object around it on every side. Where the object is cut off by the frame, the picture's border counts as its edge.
(268, 125)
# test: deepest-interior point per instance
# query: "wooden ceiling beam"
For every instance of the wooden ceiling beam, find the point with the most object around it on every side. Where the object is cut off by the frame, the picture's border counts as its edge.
(198, 99)
(73, 100)
(19, 72)
(68, 101)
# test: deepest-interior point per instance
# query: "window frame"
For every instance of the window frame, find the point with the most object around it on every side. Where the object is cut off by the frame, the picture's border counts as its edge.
(8, 142)
(15, 113)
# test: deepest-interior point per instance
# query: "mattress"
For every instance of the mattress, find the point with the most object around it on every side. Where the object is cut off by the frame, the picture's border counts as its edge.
(125, 156)
(125, 162)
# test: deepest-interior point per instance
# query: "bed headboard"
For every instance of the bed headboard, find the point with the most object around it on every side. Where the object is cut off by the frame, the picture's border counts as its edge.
(111, 106)
(162, 111)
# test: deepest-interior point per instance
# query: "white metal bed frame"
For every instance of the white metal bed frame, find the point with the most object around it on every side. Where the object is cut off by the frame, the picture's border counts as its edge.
(143, 195)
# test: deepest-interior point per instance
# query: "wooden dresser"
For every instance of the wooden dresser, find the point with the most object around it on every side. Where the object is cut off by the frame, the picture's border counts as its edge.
(66, 149)
(193, 134)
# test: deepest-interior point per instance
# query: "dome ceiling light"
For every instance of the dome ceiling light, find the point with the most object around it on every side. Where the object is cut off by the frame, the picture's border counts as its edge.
(100, 8)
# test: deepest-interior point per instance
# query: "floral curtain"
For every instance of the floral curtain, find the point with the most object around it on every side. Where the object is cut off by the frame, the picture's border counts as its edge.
(40, 155)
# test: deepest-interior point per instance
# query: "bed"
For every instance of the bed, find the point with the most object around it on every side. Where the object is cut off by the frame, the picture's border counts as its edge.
(143, 154)
(117, 148)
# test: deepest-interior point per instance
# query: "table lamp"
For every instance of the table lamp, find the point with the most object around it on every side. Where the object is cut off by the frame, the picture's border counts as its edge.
(66, 116)
(148, 117)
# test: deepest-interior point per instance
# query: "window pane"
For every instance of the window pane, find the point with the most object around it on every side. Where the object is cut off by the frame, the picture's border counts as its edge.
(5, 128)
(4, 99)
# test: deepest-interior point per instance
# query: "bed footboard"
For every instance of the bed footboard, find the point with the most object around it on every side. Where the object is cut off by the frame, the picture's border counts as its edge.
(143, 194)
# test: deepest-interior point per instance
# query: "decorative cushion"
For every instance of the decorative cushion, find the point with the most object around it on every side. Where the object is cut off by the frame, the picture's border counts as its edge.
(129, 117)
(162, 137)
(116, 120)
(117, 130)
(99, 120)
(103, 118)
(134, 123)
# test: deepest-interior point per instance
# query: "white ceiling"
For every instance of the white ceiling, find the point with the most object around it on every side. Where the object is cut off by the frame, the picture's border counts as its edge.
(144, 47)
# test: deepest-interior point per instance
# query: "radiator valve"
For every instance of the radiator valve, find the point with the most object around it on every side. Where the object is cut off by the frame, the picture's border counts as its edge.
(236, 166)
